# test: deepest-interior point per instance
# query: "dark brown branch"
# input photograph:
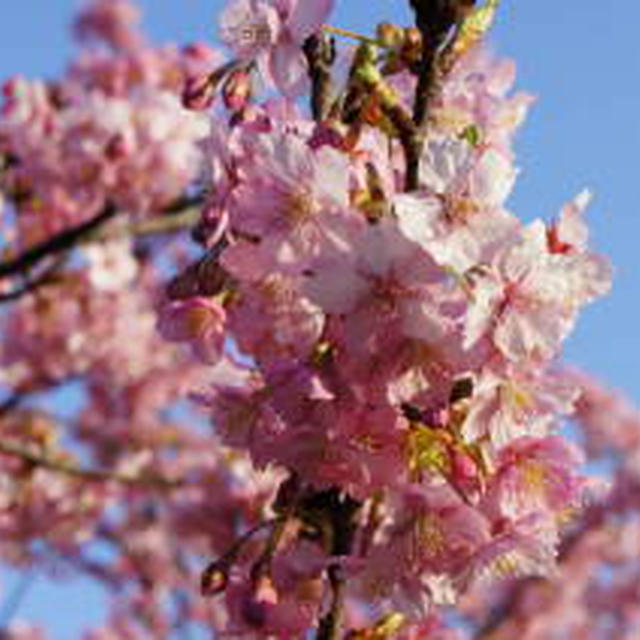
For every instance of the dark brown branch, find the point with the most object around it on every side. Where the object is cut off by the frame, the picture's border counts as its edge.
(435, 20)
(330, 627)
(177, 216)
(320, 52)
(55, 245)
(47, 277)
(338, 512)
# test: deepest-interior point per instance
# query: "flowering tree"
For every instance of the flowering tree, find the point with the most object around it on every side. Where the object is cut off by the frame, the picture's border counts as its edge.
(314, 359)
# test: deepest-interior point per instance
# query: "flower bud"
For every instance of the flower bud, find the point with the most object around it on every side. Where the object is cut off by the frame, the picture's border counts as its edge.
(389, 35)
(199, 51)
(199, 93)
(214, 578)
(118, 148)
(237, 90)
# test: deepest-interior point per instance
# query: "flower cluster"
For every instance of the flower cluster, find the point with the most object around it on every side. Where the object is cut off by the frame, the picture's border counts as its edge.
(372, 334)
(111, 132)
(103, 471)
(401, 337)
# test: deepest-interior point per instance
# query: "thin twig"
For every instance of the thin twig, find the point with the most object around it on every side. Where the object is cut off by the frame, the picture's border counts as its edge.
(346, 33)
(177, 221)
(15, 599)
(90, 475)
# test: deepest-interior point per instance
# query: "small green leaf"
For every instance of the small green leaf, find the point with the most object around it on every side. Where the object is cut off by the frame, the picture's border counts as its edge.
(472, 135)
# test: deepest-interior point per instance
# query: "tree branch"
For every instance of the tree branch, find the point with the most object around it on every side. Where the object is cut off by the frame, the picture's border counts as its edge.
(320, 53)
(55, 245)
(330, 627)
(177, 221)
(89, 475)
(339, 513)
(435, 20)
(179, 215)
(47, 277)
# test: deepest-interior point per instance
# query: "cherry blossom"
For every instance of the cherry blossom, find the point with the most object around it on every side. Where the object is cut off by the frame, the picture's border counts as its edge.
(270, 33)
(337, 404)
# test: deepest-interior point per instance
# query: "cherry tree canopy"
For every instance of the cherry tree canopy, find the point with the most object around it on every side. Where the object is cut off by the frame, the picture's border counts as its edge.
(317, 355)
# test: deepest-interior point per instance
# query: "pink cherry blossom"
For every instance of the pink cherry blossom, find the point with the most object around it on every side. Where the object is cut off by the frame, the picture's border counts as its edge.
(271, 32)
(198, 321)
(369, 434)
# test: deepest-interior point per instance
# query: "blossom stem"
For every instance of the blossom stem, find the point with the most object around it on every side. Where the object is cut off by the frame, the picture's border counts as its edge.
(330, 626)
(346, 33)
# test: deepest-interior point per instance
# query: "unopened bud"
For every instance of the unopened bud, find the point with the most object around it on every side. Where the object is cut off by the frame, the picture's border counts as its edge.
(199, 51)
(199, 93)
(390, 35)
(265, 591)
(117, 148)
(327, 134)
(12, 87)
(214, 578)
(463, 467)
(237, 90)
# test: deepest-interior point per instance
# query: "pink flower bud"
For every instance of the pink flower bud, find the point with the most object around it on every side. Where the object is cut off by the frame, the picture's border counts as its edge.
(554, 243)
(214, 578)
(237, 90)
(117, 148)
(463, 467)
(199, 51)
(199, 93)
(265, 591)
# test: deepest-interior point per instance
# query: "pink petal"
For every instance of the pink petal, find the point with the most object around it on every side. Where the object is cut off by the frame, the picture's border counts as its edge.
(307, 17)
(288, 68)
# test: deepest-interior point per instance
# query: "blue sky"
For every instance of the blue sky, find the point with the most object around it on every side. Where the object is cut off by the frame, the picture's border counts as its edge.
(582, 61)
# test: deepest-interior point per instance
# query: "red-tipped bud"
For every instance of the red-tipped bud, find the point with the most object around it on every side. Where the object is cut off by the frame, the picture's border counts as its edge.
(463, 467)
(199, 51)
(214, 578)
(117, 148)
(199, 92)
(554, 243)
(237, 90)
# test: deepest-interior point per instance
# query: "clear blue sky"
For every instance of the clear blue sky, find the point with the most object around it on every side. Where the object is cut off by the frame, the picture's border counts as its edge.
(581, 59)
